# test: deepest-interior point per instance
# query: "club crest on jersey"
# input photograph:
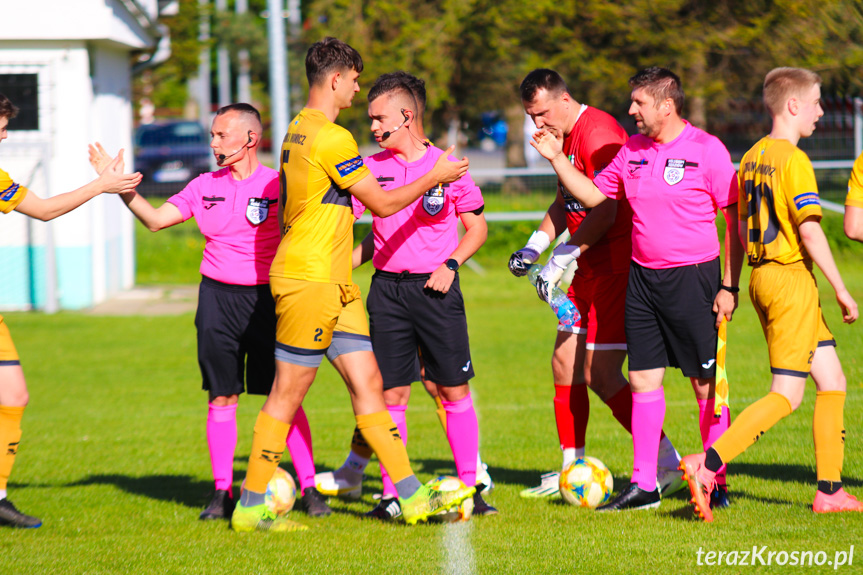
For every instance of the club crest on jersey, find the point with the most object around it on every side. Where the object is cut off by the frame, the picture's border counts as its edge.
(433, 200)
(674, 170)
(257, 210)
(571, 204)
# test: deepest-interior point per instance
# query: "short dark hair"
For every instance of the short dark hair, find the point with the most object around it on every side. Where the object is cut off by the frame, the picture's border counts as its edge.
(660, 83)
(408, 85)
(330, 55)
(8, 110)
(241, 108)
(542, 79)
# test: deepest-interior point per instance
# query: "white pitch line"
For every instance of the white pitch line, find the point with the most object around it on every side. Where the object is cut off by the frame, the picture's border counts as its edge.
(457, 551)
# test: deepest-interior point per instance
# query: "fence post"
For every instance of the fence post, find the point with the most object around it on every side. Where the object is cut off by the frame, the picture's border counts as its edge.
(858, 126)
(52, 304)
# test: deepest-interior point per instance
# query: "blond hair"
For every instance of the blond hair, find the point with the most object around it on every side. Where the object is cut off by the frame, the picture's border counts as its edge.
(780, 84)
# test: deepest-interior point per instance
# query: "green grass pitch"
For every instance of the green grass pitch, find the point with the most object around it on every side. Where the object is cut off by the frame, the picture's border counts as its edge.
(114, 455)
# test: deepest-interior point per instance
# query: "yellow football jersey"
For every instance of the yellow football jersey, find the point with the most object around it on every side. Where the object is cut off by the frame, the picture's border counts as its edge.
(777, 192)
(11, 193)
(8, 353)
(855, 185)
(319, 161)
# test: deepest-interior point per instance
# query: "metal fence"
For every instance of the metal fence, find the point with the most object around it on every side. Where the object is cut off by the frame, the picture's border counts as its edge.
(837, 141)
(512, 194)
(507, 201)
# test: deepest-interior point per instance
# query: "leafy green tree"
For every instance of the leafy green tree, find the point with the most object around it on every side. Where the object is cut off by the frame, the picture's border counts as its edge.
(165, 85)
(474, 53)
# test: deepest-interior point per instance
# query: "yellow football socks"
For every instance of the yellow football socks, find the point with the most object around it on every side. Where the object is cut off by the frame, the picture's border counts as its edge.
(359, 446)
(828, 430)
(10, 436)
(382, 435)
(751, 424)
(268, 445)
(441, 412)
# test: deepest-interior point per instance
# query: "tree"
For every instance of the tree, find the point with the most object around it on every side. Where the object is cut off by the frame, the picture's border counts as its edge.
(474, 53)
(165, 84)
(413, 35)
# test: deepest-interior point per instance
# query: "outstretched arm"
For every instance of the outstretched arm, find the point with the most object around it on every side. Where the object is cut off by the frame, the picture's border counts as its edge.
(369, 192)
(111, 181)
(576, 183)
(154, 219)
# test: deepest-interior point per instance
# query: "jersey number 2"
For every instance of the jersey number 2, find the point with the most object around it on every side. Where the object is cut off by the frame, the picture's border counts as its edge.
(318, 333)
(753, 208)
(283, 191)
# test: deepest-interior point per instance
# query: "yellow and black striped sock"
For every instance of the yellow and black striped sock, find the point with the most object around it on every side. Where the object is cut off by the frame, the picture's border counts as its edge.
(10, 437)
(268, 445)
(383, 437)
(441, 412)
(751, 424)
(360, 446)
(828, 431)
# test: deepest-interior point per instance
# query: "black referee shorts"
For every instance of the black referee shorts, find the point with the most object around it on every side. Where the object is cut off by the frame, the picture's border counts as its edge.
(236, 334)
(669, 318)
(405, 317)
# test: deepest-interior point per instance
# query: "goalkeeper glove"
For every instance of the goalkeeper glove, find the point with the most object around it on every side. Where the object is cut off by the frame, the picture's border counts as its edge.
(520, 261)
(550, 276)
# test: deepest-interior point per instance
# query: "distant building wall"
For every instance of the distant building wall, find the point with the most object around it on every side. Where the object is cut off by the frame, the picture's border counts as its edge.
(83, 86)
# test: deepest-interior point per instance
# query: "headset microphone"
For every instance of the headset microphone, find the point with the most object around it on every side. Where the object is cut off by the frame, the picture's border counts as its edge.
(223, 157)
(387, 134)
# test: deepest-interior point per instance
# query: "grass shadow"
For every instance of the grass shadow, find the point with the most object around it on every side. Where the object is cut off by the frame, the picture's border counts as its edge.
(784, 472)
(180, 489)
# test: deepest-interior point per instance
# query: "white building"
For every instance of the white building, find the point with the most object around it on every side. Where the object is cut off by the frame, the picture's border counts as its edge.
(67, 65)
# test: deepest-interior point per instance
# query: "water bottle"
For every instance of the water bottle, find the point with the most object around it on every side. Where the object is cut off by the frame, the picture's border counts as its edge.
(566, 312)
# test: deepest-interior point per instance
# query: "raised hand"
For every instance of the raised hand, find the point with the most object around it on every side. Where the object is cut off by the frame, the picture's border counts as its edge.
(99, 158)
(447, 170)
(114, 181)
(547, 144)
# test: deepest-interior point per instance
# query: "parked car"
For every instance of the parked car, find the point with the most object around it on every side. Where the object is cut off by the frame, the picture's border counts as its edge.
(171, 154)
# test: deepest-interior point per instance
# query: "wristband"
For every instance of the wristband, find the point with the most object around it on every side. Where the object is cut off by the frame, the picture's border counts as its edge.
(567, 250)
(731, 289)
(538, 241)
(565, 254)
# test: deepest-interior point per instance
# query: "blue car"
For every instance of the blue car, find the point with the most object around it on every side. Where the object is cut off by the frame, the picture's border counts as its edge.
(171, 154)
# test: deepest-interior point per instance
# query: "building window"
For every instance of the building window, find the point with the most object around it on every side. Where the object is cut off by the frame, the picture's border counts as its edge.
(23, 90)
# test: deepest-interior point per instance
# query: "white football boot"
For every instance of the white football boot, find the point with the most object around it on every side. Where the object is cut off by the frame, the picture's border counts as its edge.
(343, 482)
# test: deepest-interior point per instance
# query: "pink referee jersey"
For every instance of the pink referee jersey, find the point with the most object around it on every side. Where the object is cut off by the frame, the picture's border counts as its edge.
(674, 190)
(422, 236)
(239, 221)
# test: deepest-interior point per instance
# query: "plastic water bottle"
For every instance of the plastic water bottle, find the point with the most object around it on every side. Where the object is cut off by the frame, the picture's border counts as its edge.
(566, 312)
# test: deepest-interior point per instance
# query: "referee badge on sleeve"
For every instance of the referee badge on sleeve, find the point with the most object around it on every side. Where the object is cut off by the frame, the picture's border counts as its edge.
(433, 200)
(674, 170)
(257, 210)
